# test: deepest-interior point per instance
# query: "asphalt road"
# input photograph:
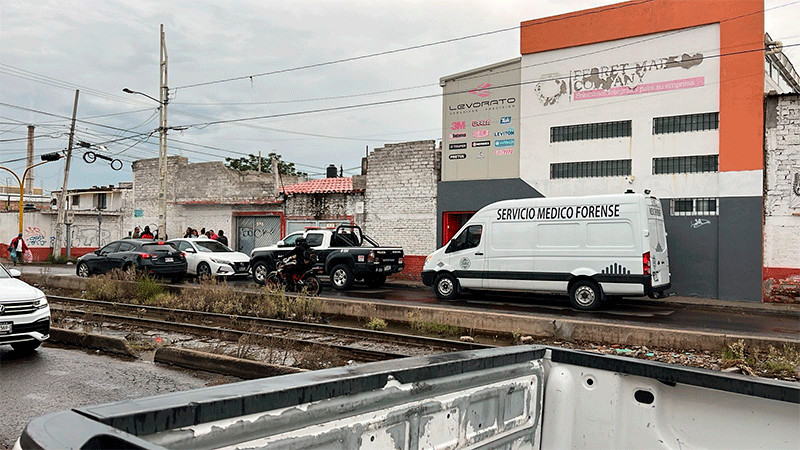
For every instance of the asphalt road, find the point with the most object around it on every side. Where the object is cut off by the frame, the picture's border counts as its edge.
(54, 379)
(731, 320)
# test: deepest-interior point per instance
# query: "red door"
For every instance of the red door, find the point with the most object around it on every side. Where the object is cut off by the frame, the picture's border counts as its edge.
(452, 222)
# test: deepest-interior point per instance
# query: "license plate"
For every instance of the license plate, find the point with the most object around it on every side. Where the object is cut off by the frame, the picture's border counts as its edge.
(169, 259)
(387, 268)
(5, 327)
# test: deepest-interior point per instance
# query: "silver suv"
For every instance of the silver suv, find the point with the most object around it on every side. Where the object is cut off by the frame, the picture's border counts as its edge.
(24, 313)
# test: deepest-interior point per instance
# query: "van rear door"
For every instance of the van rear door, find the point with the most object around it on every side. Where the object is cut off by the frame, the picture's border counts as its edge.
(659, 261)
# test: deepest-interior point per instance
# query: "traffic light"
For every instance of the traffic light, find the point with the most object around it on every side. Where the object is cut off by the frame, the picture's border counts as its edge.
(51, 156)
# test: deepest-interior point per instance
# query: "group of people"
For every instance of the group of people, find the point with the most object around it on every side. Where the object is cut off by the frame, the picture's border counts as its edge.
(146, 234)
(218, 236)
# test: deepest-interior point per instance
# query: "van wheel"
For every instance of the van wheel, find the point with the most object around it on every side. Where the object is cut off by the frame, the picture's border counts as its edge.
(446, 287)
(585, 295)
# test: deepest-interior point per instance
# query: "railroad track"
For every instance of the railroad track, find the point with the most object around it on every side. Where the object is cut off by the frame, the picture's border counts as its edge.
(275, 330)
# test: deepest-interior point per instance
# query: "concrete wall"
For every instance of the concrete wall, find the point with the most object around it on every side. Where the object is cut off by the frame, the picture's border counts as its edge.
(781, 196)
(400, 199)
(333, 206)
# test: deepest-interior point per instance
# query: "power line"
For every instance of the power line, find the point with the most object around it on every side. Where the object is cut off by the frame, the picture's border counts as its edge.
(415, 47)
(423, 97)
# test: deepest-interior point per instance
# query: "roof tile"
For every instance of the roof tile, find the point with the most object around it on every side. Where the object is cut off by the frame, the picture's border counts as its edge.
(321, 186)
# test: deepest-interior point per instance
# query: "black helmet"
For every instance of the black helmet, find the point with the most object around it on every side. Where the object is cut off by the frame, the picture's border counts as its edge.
(300, 241)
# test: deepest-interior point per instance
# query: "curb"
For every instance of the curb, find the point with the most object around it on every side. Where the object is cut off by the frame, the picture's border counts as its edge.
(222, 364)
(108, 344)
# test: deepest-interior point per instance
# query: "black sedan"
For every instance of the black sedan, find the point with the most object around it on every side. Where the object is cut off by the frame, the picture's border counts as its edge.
(143, 255)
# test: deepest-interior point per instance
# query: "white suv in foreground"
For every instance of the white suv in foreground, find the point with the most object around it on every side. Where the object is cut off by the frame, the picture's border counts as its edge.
(24, 313)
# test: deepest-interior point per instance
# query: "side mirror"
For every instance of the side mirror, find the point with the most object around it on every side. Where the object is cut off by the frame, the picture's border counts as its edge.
(190, 250)
(96, 252)
(14, 273)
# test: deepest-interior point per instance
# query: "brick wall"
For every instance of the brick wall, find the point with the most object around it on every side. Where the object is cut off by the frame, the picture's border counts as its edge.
(781, 272)
(400, 199)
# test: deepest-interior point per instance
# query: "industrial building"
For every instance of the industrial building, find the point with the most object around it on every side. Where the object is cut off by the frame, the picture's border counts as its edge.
(662, 96)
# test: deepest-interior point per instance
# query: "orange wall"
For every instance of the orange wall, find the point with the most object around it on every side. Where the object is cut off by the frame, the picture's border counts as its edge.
(741, 109)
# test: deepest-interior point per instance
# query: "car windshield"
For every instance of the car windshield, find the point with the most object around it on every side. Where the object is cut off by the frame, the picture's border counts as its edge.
(211, 247)
(4, 272)
(156, 247)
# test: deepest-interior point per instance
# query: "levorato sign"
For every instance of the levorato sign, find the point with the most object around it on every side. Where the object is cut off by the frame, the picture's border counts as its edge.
(559, 212)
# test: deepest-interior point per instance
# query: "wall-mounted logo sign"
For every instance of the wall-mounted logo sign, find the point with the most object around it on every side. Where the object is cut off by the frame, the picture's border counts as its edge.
(459, 146)
(461, 125)
(504, 152)
(477, 134)
(458, 156)
(505, 120)
(481, 123)
(482, 90)
(482, 144)
(458, 135)
(508, 101)
(503, 143)
(508, 132)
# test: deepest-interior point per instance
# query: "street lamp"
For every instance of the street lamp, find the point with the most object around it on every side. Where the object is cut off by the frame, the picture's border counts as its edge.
(46, 158)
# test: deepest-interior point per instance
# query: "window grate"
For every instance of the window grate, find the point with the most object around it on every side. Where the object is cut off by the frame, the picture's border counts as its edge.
(704, 206)
(686, 164)
(686, 123)
(591, 169)
(587, 131)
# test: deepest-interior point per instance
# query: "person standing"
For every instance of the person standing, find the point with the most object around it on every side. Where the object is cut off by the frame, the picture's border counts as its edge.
(146, 234)
(17, 249)
(222, 238)
(135, 233)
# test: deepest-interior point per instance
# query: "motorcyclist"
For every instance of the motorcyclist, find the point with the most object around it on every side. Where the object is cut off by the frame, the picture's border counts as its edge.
(302, 256)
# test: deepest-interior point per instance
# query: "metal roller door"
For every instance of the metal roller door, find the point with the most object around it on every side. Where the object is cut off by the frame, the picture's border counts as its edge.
(256, 231)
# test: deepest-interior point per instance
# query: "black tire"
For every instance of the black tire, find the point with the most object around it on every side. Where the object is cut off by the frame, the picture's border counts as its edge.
(446, 287)
(586, 295)
(82, 270)
(203, 271)
(375, 280)
(260, 272)
(341, 277)
(312, 285)
(273, 281)
(26, 347)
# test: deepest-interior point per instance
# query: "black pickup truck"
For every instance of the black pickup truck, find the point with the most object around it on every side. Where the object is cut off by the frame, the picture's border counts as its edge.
(345, 254)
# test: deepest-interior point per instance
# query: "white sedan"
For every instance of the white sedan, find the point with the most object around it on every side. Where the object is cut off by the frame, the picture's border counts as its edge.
(24, 313)
(206, 257)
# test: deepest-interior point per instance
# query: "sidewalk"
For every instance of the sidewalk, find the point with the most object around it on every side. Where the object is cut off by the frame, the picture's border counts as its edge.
(671, 301)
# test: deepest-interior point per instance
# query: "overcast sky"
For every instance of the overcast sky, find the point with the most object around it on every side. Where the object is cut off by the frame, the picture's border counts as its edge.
(48, 49)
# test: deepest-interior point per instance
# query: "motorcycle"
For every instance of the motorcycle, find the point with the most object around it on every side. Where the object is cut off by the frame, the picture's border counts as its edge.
(308, 281)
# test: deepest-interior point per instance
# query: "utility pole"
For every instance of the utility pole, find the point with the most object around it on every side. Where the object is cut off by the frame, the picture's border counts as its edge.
(259, 161)
(162, 139)
(276, 176)
(62, 196)
(29, 178)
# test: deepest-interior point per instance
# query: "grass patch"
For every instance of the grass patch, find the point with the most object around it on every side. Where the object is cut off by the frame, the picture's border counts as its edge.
(375, 324)
(781, 362)
(423, 326)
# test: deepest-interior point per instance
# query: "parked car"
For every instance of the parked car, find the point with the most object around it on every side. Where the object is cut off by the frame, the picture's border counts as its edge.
(206, 257)
(142, 255)
(24, 313)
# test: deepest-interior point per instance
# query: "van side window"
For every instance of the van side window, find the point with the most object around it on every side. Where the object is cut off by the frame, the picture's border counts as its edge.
(469, 238)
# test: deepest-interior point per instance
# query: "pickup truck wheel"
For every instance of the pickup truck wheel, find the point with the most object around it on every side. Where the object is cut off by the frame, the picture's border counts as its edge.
(341, 277)
(446, 286)
(26, 347)
(375, 281)
(260, 272)
(586, 295)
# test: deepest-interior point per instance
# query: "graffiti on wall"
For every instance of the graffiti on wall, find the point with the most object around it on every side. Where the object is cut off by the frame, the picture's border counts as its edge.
(34, 237)
(86, 236)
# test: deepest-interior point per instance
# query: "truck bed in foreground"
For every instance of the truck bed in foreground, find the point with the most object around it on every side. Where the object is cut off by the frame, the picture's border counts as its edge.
(512, 397)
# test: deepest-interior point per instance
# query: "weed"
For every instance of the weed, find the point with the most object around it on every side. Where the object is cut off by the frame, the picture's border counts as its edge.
(147, 287)
(775, 362)
(376, 324)
(424, 326)
(318, 357)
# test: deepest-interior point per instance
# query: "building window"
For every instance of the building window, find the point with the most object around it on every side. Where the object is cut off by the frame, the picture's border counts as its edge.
(591, 169)
(688, 122)
(101, 201)
(586, 131)
(694, 207)
(686, 164)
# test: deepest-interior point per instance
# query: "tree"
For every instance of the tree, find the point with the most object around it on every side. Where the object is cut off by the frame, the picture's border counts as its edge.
(251, 163)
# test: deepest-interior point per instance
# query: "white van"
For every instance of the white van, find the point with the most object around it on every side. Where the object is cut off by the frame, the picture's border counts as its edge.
(587, 247)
